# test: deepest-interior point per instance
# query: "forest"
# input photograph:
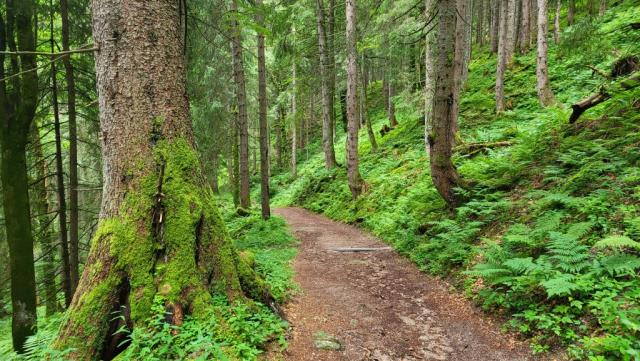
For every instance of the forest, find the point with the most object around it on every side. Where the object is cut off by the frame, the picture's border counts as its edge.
(384, 180)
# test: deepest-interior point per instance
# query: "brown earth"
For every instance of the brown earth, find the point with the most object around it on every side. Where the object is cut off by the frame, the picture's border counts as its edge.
(379, 305)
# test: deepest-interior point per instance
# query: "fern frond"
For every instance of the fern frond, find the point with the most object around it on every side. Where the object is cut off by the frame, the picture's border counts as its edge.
(560, 285)
(620, 264)
(617, 242)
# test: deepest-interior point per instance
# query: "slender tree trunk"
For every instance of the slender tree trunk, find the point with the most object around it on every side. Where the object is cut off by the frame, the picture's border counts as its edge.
(264, 127)
(545, 95)
(160, 234)
(67, 283)
(280, 137)
(17, 110)
(603, 7)
(294, 123)
(391, 107)
(74, 259)
(511, 30)
(343, 109)
(45, 232)
(235, 166)
(496, 20)
(364, 107)
(479, 23)
(215, 164)
(331, 49)
(430, 75)
(443, 172)
(525, 35)
(462, 53)
(241, 94)
(533, 23)
(571, 12)
(353, 172)
(556, 22)
(502, 57)
(327, 104)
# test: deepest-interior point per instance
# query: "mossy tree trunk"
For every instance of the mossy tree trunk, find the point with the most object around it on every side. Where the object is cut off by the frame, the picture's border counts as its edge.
(160, 236)
(353, 125)
(18, 100)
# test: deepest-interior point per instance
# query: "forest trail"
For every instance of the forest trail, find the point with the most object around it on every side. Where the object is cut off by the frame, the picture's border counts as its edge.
(378, 305)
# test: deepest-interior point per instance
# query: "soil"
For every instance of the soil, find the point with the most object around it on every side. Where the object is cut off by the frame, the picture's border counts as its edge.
(378, 305)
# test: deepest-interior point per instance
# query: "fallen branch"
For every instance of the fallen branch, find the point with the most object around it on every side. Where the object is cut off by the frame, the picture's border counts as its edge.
(586, 103)
(473, 148)
(43, 53)
(601, 96)
(600, 72)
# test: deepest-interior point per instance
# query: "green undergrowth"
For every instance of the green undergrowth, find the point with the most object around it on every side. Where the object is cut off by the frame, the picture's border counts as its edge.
(241, 331)
(549, 234)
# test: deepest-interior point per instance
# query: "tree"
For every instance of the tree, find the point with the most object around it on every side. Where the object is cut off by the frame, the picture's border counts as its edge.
(241, 95)
(327, 95)
(18, 100)
(443, 173)
(264, 127)
(353, 172)
(160, 237)
(525, 34)
(571, 12)
(496, 15)
(545, 95)
(74, 259)
(556, 22)
(502, 56)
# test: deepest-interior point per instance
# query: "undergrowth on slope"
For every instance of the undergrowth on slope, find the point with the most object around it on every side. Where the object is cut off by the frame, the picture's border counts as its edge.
(550, 230)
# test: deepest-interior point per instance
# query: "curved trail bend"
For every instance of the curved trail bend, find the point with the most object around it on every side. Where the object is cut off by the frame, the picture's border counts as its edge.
(379, 305)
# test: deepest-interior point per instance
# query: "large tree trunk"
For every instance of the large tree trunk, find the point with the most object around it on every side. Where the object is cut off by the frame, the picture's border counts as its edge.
(545, 95)
(603, 7)
(241, 94)
(74, 259)
(67, 283)
(17, 109)
(525, 34)
(331, 51)
(264, 127)
(511, 30)
(479, 22)
(327, 95)
(502, 57)
(443, 172)
(353, 171)
(160, 236)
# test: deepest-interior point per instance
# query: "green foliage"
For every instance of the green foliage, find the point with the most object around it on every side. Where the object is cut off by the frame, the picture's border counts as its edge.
(534, 238)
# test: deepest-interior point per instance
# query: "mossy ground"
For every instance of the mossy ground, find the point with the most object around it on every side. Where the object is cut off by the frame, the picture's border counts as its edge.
(523, 242)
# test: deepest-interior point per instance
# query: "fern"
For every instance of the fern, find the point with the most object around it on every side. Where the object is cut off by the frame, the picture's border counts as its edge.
(620, 264)
(617, 242)
(521, 265)
(567, 253)
(561, 285)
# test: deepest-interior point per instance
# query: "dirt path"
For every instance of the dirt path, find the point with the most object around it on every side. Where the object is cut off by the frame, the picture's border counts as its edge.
(378, 305)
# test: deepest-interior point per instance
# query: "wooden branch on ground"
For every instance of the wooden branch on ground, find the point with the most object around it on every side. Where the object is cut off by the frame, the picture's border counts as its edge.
(474, 148)
(359, 249)
(586, 103)
(601, 96)
(595, 70)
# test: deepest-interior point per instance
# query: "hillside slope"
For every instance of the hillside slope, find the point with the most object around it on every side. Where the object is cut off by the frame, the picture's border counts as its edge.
(550, 228)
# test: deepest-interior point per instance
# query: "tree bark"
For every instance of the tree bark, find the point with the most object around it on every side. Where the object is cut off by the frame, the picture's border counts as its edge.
(327, 96)
(294, 122)
(429, 87)
(603, 7)
(74, 259)
(391, 107)
(264, 126)
(67, 283)
(525, 35)
(45, 232)
(571, 12)
(502, 57)
(511, 30)
(479, 23)
(556, 22)
(353, 171)
(496, 11)
(443, 173)
(364, 107)
(241, 94)
(160, 236)
(545, 95)
(462, 53)
(17, 110)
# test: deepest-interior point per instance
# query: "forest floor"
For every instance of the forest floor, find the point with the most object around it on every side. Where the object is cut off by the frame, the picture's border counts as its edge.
(376, 305)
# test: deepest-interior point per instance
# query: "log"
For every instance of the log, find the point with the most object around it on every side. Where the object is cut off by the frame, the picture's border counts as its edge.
(473, 148)
(586, 103)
